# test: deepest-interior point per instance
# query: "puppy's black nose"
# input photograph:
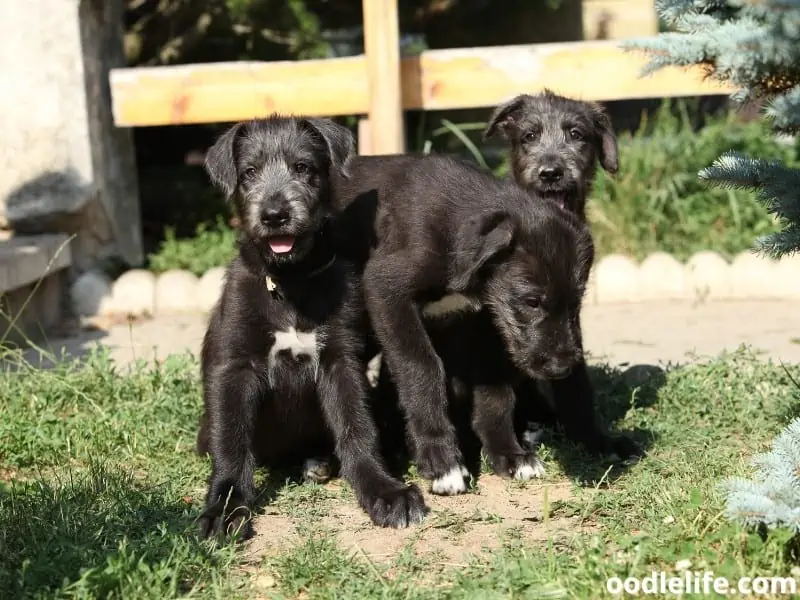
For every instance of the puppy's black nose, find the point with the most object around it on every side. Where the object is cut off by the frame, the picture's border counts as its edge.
(275, 215)
(551, 174)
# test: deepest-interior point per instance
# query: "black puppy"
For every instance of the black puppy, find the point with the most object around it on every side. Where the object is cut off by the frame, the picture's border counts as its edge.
(556, 143)
(283, 369)
(448, 239)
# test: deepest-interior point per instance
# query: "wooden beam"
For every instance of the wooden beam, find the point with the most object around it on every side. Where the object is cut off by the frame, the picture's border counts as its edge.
(364, 136)
(382, 50)
(435, 80)
(601, 71)
(235, 91)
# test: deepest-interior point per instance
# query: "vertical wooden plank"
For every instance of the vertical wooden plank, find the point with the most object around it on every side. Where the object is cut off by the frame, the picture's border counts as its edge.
(382, 50)
(364, 137)
(619, 19)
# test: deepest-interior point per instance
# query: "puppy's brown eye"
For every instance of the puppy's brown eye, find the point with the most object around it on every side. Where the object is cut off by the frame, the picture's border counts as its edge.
(575, 134)
(250, 172)
(534, 302)
(302, 168)
(529, 136)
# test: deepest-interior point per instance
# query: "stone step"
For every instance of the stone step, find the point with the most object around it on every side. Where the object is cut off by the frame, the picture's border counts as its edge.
(25, 259)
(33, 284)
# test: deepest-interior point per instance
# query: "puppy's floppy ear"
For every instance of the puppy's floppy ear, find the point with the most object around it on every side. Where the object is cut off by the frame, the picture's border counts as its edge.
(340, 141)
(609, 156)
(480, 239)
(504, 116)
(220, 163)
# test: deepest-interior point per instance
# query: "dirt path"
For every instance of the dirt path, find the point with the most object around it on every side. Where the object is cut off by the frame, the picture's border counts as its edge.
(659, 332)
(494, 511)
(653, 332)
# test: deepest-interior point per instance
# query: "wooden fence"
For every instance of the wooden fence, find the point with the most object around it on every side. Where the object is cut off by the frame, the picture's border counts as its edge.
(381, 85)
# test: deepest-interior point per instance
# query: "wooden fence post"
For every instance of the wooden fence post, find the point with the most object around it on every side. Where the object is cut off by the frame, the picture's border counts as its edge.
(382, 50)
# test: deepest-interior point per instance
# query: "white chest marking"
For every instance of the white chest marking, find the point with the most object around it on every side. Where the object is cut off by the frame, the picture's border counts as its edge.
(450, 305)
(299, 343)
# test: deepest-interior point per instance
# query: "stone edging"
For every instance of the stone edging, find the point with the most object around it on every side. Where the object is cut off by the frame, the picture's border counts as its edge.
(615, 279)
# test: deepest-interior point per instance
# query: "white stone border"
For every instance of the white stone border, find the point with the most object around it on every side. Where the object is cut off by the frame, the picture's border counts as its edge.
(615, 279)
(705, 276)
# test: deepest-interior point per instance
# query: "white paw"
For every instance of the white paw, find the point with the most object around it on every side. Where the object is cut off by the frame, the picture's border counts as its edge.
(316, 469)
(531, 470)
(451, 483)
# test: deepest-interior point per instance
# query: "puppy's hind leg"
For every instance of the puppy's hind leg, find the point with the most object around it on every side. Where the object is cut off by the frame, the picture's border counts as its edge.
(343, 394)
(233, 396)
(493, 422)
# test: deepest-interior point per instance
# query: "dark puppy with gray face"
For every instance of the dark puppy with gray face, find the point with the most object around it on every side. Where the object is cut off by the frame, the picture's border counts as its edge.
(283, 357)
(449, 240)
(556, 144)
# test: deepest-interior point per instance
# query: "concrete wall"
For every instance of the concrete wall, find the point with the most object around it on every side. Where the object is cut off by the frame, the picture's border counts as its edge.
(65, 167)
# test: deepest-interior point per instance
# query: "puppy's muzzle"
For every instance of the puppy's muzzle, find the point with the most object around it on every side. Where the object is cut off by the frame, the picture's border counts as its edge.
(275, 212)
(551, 174)
(555, 366)
(275, 217)
(558, 372)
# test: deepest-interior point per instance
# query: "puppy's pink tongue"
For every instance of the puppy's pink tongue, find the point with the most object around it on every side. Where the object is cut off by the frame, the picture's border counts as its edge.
(281, 244)
(560, 200)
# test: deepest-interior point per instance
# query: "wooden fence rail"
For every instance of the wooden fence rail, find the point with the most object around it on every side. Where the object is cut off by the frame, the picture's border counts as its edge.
(382, 85)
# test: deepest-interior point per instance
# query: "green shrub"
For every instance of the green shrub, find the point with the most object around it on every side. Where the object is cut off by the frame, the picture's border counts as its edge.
(657, 202)
(212, 246)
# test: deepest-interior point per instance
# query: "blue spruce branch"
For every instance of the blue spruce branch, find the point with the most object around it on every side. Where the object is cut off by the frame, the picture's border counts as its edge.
(773, 496)
(785, 111)
(755, 46)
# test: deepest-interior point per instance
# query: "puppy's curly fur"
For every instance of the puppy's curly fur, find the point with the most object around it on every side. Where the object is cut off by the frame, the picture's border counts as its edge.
(283, 358)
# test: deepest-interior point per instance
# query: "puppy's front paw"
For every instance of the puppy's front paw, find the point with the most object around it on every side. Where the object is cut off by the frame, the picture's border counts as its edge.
(451, 483)
(217, 520)
(317, 470)
(443, 466)
(532, 469)
(518, 466)
(397, 507)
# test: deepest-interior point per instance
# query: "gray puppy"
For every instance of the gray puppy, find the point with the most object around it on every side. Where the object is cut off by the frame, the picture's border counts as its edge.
(556, 143)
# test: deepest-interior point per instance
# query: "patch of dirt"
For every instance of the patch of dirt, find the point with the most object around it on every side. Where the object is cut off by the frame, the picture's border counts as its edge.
(455, 528)
(8, 473)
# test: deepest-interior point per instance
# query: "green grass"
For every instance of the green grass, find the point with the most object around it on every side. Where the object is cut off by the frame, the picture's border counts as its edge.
(99, 487)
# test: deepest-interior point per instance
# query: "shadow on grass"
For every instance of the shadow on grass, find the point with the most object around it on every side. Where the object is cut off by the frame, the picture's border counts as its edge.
(98, 533)
(50, 351)
(616, 392)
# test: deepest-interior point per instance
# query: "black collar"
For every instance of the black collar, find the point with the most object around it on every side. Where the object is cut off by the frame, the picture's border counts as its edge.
(320, 258)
